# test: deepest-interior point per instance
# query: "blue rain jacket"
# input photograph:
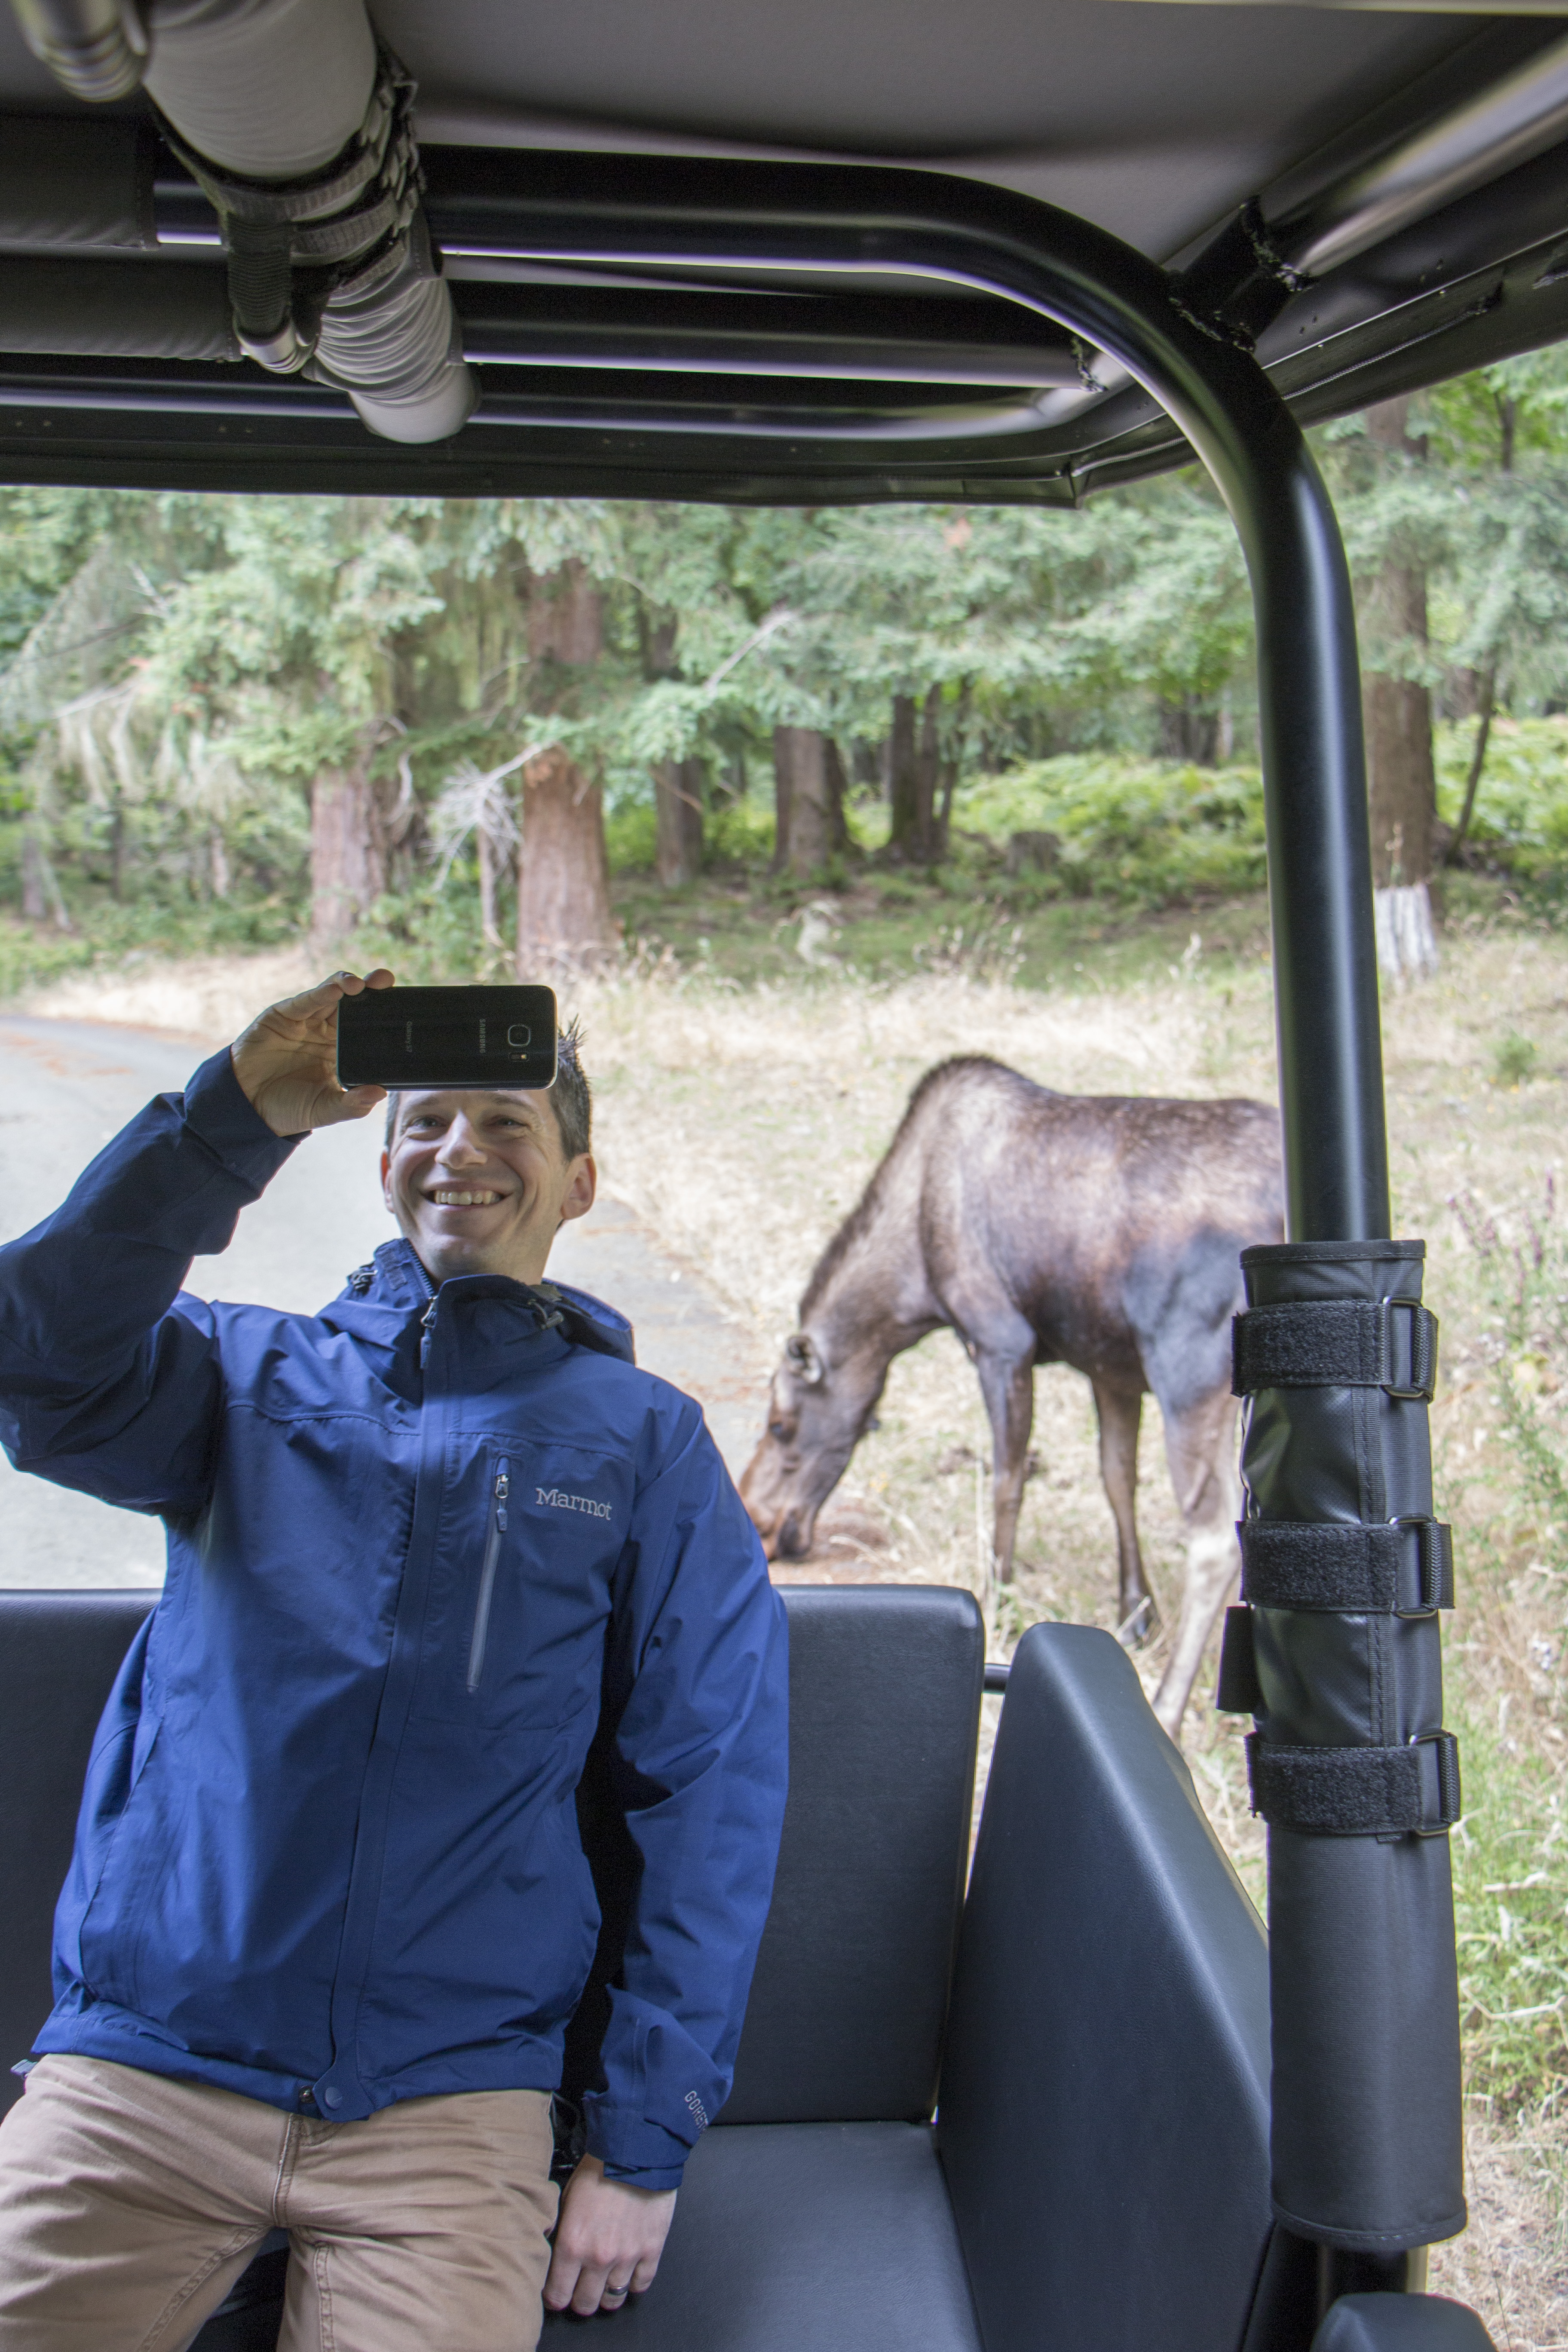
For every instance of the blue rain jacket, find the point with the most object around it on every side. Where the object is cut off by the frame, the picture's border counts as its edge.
(328, 1852)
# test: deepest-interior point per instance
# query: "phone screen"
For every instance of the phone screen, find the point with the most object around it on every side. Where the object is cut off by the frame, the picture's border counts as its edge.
(447, 1037)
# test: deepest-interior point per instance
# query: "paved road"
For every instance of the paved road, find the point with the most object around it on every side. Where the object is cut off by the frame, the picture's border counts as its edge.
(66, 1087)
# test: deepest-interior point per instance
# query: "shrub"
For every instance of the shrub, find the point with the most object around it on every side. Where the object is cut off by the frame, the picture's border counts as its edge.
(1141, 833)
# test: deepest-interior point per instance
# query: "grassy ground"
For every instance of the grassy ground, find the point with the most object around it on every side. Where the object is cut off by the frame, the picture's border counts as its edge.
(745, 1094)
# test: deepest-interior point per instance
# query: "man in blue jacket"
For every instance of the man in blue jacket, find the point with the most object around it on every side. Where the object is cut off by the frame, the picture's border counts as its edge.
(329, 1914)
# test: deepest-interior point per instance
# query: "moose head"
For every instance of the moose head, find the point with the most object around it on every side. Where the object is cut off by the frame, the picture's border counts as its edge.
(818, 1410)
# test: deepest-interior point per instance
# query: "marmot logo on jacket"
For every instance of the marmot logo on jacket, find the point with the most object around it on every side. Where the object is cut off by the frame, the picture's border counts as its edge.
(559, 1500)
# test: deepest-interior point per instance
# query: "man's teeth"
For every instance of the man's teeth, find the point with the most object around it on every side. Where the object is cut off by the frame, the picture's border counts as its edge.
(465, 1200)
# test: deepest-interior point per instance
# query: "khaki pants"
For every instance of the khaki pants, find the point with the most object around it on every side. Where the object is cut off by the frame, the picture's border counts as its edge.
(129, 2204)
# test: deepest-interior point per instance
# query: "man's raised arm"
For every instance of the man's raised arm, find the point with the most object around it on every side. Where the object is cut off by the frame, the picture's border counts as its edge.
(102, 1386)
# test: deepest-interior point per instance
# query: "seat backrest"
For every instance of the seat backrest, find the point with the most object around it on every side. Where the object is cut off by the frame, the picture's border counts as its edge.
(847, 2004)
(1104, 2115)
(59, 1653)
(848, 2001)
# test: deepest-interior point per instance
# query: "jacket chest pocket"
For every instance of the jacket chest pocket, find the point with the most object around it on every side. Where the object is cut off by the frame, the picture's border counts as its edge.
(519, 1588)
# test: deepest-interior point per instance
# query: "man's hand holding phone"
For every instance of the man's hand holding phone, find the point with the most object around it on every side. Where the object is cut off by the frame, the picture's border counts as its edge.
(286, 1061)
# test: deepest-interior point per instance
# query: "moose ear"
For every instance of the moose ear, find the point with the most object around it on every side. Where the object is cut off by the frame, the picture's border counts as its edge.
(803, 1358)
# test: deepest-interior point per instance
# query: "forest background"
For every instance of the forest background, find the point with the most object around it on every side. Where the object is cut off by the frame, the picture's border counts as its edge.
(801, 791)
(494, 729)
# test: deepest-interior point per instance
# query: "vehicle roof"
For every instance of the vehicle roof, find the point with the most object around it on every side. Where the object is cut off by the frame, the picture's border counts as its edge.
(1155, 120)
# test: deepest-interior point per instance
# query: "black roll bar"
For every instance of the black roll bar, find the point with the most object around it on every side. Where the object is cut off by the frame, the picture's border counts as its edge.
(1355, 1920)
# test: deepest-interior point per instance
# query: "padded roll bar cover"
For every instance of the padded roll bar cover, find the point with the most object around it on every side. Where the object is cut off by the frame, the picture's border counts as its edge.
(159, 310)
(66, 183)
(845, 2013)
(59, 1653)
(1104, 2108)
(1400, 2323)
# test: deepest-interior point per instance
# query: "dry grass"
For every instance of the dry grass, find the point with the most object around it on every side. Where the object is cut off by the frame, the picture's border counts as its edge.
(743, 1126)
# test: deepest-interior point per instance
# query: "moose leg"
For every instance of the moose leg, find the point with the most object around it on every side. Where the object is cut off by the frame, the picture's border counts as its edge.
(1200, 1447)
(1008, 1384)
(1119, 1414)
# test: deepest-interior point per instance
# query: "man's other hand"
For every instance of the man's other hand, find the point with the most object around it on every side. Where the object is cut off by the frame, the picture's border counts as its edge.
(286, 1061)
(607, 2242)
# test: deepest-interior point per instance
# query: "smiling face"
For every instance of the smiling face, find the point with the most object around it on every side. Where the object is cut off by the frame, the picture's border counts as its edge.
(479, 1181)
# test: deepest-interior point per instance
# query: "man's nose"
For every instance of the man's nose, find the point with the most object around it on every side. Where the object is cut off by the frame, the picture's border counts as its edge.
(460, 1146)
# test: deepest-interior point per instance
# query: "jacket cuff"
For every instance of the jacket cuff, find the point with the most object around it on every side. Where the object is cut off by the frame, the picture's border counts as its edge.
(654, 2180)
(218, 1110)
(631, 2149)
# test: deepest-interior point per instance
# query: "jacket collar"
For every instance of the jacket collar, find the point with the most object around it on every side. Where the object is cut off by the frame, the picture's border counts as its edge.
(395, 1277)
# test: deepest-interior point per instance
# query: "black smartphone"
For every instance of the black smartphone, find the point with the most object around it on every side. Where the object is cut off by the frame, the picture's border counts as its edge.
(447, 1037)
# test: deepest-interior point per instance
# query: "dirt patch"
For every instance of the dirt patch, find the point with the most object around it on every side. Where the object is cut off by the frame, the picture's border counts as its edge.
(1512, 2264)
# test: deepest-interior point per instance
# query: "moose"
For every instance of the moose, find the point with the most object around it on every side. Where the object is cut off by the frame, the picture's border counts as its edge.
(1099, 1231)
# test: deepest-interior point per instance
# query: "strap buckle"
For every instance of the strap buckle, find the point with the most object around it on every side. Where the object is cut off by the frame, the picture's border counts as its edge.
(1439, 1819)
(1423, 1350)
(1434, 1565)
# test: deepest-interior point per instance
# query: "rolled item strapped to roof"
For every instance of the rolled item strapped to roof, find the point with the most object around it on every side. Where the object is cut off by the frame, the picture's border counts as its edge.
(298, 126)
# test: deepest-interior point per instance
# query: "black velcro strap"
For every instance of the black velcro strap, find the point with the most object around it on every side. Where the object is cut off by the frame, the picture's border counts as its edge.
(1337, 1343)
(1238, 1690)
(1358, 1791)
(1403, 1569)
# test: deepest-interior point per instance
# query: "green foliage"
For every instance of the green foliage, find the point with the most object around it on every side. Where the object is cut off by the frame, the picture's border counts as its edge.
(1138, 833)
(1514, 1060)
(1521, 818)
(1524, 1283)
(1510, 1862)
(1511, 1893)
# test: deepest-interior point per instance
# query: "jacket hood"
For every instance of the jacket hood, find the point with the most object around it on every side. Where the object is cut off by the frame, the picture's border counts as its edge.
(394, 1278)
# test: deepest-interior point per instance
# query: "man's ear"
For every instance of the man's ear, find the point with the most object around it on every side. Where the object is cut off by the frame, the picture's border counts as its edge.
(386, 1184)
(581, 1188)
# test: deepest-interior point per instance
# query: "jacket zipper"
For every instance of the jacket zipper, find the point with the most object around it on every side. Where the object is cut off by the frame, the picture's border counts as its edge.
(428, 1331)
(502, 1487)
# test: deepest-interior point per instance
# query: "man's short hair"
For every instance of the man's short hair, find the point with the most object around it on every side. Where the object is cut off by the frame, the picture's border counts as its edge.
(570, 1097)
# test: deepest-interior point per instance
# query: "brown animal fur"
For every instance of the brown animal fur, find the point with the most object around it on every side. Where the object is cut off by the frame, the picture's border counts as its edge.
(1099, 1231)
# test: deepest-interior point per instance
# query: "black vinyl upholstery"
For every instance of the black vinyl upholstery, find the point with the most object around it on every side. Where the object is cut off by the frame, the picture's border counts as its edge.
(59, 1653)
(1104, 2116)
(803, 2238)
(1400, 2323)
(1098, 2174)
(847, 2004)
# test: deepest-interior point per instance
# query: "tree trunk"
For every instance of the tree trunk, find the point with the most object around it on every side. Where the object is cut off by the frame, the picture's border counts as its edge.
(563, 919)
(40, 888)
(783, 786)
(913, 762)
(947, 770)
(1485, 705)
(928, 776)
(218, 863)
(1402, 788)
(119, 848)
(489, 861)
(1189, 731)
(565, 617)
(903, 782)
(806, 800)
(35, 906)
(348, 853)
(678, 809)
(1484, 688)
(838, 794)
